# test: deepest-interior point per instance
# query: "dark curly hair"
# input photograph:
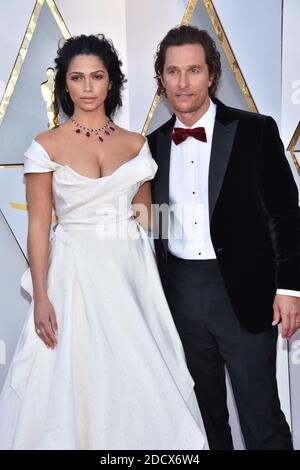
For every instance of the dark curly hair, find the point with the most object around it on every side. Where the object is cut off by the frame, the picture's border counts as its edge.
(96, 45)
(181, 35)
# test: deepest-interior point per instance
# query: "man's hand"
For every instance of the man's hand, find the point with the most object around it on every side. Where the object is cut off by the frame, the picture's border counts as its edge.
(287, 309)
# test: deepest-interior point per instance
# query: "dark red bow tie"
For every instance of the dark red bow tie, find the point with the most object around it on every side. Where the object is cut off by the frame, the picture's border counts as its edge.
(179, 134)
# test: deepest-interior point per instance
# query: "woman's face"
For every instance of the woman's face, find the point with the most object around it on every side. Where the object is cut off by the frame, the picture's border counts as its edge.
(87, 82)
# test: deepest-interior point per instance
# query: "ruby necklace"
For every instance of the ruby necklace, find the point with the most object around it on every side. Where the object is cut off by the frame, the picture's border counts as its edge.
(104, 130)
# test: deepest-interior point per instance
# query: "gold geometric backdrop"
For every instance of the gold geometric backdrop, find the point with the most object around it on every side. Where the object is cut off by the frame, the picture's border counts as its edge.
(25, 108)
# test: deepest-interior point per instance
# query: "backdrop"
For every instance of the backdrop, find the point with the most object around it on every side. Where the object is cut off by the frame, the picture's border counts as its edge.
(259, 46)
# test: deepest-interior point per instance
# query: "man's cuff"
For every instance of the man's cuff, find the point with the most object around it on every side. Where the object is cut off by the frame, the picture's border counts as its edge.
(293, 293)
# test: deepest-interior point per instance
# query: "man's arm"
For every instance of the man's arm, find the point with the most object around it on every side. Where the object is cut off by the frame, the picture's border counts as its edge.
(280, 199)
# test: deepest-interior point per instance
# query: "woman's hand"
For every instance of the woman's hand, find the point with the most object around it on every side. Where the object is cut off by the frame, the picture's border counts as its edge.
(45, 322)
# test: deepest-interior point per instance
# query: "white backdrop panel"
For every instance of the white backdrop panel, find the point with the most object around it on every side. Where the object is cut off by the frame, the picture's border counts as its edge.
(12, 29)
(13, 306)
(147, 23)
(290, 118)
(13, 191)
(100, 16)
(290, 70)
(254, 33)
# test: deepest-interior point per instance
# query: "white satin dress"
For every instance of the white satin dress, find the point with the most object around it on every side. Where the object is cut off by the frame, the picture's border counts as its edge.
(118, 377)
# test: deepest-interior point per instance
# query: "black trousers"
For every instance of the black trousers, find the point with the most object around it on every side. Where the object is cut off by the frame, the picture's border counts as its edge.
(212, 337)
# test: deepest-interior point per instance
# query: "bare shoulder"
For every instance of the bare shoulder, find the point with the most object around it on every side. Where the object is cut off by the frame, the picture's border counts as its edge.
(47, 136)
(134, 140)
(48, 139)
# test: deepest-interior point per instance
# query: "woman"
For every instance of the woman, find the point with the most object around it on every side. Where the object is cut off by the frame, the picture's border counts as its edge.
(99, 364)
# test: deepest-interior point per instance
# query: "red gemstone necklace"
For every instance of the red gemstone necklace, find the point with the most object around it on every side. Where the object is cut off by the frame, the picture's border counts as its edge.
(104, 130)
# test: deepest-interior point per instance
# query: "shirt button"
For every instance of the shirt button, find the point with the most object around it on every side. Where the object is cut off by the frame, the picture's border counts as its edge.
(193, 192)
(199, 253)
(192, 161)
(195, 223)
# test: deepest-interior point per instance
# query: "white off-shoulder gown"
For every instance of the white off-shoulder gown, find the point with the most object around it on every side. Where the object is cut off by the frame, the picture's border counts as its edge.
(118, 377)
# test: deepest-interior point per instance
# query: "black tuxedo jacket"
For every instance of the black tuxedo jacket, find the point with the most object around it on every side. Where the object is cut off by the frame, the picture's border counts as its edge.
(253, 207)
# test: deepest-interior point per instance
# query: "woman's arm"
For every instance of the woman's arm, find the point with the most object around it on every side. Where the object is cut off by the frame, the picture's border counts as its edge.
(142, 206)
(39, 200)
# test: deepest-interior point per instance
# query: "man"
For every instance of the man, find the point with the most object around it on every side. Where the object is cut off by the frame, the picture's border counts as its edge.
(229, 250)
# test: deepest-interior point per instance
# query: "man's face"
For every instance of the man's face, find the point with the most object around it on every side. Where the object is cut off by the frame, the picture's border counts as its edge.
(186, 78)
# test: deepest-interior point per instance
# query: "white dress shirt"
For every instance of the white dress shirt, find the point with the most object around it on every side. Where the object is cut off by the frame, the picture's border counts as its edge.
(189, 226)
(189, 230)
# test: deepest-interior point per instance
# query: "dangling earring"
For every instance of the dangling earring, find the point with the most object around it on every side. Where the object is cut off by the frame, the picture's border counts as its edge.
(67, 91)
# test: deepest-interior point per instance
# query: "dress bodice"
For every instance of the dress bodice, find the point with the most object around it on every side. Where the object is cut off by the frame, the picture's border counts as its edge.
(81, 200)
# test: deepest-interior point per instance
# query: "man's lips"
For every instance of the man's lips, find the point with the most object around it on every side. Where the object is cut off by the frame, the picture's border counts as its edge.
(183, 96)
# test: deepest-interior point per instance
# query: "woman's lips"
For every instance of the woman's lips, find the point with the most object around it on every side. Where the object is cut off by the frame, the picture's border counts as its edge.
(87, 99)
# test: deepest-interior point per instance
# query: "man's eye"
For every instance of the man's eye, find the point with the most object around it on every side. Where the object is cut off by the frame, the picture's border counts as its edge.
(98, 77)
(75, 78)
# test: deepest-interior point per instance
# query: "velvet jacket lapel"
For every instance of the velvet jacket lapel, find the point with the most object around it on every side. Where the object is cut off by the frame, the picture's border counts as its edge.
(162, 176)
(222, 143)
